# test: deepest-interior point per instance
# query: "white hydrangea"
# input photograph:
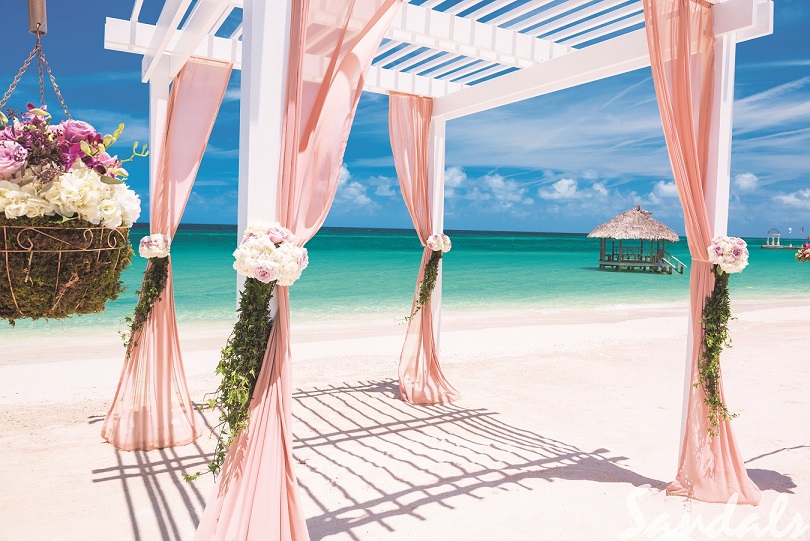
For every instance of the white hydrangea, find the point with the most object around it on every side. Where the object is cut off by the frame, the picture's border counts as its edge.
(729, 253)
(439, 243)
(156, 245)
(76, 193)
(263, 255)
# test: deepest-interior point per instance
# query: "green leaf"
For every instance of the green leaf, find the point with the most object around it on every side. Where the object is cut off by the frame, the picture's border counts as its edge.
(3, 119)
(86, 148)
(111, 180)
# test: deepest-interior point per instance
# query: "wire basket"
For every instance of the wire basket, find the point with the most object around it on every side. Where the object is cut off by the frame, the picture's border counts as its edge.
(57, 270)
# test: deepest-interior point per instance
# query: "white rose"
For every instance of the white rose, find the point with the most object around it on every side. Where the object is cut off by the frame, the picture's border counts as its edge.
(110, 213)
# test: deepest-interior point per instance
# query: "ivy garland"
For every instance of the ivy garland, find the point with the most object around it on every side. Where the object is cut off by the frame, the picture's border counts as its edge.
(153, 286)
(239, 365)
(428, 280)
(716, 315)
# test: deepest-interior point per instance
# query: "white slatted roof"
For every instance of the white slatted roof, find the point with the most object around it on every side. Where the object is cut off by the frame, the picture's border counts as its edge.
(444, 47)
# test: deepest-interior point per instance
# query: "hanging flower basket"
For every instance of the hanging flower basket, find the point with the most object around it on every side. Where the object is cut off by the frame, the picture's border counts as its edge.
(65, 212)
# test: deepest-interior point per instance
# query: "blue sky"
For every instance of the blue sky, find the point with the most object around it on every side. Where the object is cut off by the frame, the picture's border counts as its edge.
(564, 162)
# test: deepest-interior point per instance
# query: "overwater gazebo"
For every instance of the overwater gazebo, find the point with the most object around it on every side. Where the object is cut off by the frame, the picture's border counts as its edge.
(642, 243)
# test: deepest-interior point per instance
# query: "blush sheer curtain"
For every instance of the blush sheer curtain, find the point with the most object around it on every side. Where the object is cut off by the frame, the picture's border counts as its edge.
(680, 35)
(421, 380)
(332, 45)
(152, 408)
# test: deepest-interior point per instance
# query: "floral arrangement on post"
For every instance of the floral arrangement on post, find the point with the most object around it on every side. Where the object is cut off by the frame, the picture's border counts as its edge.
(439, 244)
(155, 248)
(803, 255)
(65, 213)
(729, 255)
(267, 256)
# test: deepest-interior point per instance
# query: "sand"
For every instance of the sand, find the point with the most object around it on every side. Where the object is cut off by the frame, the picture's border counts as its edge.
(568, 429)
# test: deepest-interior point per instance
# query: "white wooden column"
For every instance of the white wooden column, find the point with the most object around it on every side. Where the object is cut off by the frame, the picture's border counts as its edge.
(718, 172)
(265, 42)
(158, 117)
(436, 176)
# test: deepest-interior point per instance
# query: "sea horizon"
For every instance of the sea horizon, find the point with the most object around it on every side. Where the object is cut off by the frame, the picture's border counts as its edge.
(367, 273)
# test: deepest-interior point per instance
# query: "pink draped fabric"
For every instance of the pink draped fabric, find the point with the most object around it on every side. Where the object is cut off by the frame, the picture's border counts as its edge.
(152, 408)
(680, 34)
(421, 380)
(331, 48)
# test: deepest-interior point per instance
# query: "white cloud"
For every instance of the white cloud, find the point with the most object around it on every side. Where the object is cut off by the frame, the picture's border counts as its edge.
(343, 175)
(454, 177)
(383, 186)
(506, 192)
(565, 188)
(799, 199)
(600, 188)
(746, 182)
(665, 189)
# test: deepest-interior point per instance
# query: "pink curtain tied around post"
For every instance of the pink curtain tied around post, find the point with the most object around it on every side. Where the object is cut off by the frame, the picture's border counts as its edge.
(152, 408)
(680, 35)
(421, 380)
(255, 496)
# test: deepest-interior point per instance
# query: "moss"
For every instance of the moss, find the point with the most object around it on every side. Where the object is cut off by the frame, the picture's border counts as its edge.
(55, 270)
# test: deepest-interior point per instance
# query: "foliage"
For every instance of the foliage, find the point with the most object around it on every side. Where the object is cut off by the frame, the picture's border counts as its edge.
(716, 314)
(154, 283)
(428, 280)
(239, 366)
(47, 279)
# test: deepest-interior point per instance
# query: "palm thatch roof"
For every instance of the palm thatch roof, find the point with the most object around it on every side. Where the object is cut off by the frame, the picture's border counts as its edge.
(634, 224)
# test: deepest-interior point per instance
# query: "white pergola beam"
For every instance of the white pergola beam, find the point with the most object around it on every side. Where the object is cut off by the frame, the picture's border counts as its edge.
(136, 10)
(590, 23)
(463, 36)
(381, 81)
(747, 18)
(169, 19)
(608, 29)
(197, 28)
(586, 16)
(133, 37)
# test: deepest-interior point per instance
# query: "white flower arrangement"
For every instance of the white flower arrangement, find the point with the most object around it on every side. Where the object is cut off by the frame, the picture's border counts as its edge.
(156, 245)
(269, 253)
(439, 243)
(728, 253)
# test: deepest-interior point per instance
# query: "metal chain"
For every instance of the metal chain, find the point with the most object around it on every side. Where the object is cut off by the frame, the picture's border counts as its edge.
(41, 61)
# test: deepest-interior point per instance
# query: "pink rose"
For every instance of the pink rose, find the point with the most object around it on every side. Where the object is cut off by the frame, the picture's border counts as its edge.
(75, 131)
(718, 250)
(277, 234)
(736, 252)
(12, 156)
(8, 134)
(264, 274)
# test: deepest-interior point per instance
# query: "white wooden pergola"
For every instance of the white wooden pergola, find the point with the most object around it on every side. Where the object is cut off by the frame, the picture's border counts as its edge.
(470, 55)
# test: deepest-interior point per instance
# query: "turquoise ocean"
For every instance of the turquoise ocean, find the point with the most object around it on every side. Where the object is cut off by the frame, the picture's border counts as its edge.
(367, 273)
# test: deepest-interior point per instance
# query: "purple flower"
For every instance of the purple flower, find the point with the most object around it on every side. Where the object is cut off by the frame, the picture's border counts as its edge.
(76, 131)
(264, 274)
(8, 134)
(737, 252)
(12, 156)
(718, 250)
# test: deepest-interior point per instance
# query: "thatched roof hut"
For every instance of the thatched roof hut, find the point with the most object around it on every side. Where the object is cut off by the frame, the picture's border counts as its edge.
(635, 223)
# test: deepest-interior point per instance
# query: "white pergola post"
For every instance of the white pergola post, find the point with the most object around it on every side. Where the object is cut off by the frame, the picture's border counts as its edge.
(158, 117)
(436, 176)
(265, 42)
(718, 171)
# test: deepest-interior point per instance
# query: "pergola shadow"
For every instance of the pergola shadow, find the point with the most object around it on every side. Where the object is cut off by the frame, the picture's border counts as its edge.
(175, 506)
(377, 457)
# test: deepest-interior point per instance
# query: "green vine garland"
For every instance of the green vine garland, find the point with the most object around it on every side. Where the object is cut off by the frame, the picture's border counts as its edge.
(716, 314)
(428, 280)
(154, 283)
(239, 365)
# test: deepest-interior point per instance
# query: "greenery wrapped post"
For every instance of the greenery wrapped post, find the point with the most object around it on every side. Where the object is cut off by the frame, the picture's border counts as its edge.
(728, 255)
(267, 256)
(439, 244)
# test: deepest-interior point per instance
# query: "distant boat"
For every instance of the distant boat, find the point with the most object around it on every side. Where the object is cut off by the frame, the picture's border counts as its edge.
(774, 241)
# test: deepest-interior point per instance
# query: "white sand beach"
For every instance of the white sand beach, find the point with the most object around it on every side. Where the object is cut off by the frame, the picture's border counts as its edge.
(568, 429)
